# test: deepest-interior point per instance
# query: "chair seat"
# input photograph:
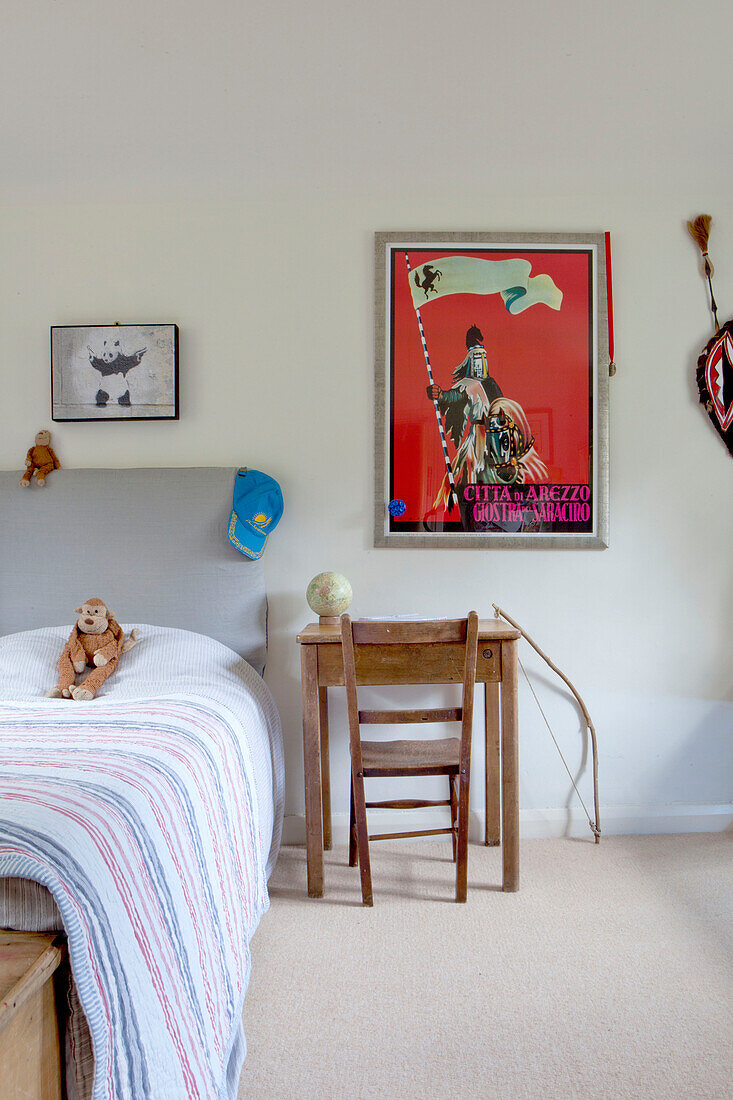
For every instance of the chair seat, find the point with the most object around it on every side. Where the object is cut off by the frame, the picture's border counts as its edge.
(440, 757)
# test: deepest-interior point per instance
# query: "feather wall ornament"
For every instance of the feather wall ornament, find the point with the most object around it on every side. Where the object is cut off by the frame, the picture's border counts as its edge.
(715, 365)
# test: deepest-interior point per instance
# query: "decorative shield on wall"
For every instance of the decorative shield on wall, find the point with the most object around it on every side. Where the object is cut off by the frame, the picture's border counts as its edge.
(715, 382)
(715, 365)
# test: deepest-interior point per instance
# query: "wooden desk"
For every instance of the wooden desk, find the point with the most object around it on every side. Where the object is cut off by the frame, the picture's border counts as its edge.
(321, 667)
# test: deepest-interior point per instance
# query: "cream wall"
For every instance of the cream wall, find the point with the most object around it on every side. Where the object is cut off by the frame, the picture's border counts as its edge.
(225, 166)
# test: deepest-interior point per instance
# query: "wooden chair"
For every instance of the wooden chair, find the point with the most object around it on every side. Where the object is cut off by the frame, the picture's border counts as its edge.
(449, 756)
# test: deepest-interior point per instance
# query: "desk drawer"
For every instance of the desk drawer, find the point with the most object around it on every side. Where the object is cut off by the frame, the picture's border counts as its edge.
(441, 663)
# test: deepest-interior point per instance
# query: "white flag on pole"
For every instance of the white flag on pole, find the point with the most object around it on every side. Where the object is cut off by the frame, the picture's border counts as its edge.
(472, 275)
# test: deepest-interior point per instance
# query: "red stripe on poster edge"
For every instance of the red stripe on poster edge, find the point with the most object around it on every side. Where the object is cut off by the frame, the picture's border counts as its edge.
(609, 291)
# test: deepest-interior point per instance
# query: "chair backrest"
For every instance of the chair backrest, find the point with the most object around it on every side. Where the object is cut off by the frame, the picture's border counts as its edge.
(356, 636)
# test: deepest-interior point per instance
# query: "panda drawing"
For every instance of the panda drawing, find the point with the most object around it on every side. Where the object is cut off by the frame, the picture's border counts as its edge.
(113, 365)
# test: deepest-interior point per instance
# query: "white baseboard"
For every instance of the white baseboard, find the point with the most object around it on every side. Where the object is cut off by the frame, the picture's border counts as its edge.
(679, 817)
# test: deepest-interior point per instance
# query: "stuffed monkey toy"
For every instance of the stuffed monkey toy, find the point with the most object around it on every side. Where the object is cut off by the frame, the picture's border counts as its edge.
(96, 640)
(40, 460)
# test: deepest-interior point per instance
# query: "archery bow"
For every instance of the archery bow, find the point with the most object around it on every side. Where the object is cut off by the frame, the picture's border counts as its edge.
(594, 825)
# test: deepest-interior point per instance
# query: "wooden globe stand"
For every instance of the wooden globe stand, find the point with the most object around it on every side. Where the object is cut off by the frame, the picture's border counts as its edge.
(329, 620)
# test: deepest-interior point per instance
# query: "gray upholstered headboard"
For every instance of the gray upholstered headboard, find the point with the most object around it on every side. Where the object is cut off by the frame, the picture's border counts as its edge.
(152, 543)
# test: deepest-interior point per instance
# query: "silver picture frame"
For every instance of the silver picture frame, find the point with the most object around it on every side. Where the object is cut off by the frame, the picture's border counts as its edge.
(398, 257)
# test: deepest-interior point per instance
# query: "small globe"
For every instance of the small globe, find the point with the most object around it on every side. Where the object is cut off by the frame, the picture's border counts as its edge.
(329, 594)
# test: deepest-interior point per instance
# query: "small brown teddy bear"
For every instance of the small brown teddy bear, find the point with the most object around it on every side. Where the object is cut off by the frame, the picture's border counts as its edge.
(40, 460)
(96, 640)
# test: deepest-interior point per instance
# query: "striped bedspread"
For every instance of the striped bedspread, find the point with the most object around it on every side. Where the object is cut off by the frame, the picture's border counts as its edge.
(141, 817)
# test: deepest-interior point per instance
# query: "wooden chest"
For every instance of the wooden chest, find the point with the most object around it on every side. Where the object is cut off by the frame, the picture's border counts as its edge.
(30, 1063)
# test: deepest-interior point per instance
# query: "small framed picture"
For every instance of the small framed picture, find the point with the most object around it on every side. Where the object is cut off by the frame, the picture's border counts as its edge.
(114, 372)
(491, 390)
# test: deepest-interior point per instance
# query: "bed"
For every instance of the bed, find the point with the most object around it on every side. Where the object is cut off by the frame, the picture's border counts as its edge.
(174, 772)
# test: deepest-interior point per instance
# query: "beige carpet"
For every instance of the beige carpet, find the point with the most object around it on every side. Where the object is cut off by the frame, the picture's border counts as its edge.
(608, 975)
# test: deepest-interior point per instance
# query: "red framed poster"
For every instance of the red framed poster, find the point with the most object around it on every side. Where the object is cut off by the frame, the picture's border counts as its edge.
(491, 390)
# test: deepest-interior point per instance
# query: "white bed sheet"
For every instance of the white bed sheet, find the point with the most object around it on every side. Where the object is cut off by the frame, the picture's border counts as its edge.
(168, 662)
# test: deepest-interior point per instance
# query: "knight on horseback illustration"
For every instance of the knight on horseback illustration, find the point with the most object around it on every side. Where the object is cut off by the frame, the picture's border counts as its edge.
(491, 432)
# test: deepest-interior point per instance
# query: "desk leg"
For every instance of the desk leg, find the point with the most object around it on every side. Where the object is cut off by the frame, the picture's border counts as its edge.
(492, 804)
(325, 767)
(312, 769)
(510, 766)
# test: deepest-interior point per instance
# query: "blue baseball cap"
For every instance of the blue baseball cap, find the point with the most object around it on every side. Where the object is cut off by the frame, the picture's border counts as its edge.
(256, 510)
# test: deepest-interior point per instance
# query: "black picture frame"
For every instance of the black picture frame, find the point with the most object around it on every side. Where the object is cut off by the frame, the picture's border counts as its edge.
(110, 357)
